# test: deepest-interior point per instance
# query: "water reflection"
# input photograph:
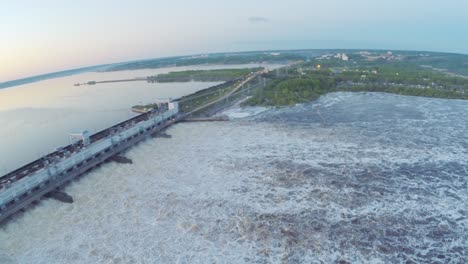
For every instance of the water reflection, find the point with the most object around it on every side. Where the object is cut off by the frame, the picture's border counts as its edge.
(35, 118)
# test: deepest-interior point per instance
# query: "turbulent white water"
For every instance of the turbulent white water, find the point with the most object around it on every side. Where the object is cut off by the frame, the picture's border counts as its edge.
(350, 178)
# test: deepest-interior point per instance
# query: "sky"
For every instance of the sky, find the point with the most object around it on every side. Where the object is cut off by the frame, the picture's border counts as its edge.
(38, 37)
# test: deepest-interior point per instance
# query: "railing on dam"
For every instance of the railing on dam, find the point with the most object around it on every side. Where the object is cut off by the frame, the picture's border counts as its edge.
(38, 182)
(70, 149)
(28, 177)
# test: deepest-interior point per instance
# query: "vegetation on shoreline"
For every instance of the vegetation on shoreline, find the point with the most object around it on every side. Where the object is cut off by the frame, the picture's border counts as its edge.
(308, 81)
(225, 58)
(216, 75)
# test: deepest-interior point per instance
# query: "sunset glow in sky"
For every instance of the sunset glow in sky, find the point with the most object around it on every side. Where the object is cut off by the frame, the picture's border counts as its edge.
(51, 35)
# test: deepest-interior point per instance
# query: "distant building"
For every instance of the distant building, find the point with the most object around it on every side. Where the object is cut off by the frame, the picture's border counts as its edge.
(342, 56)
(389, 55)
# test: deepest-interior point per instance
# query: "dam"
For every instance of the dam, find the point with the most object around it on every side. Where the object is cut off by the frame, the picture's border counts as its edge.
(28, 184)
(46, 175)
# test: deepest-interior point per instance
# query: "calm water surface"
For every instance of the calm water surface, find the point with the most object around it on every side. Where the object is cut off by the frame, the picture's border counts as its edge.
(36, 118)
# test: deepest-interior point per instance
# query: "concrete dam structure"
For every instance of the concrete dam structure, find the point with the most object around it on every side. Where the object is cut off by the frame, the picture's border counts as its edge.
(46, 175)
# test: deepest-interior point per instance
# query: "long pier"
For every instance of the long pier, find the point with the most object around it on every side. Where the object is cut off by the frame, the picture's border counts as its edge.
(138, 79)
(29, 183)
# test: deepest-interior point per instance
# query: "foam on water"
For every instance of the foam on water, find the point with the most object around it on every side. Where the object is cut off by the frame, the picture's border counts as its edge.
(355, 178)
(237, 113)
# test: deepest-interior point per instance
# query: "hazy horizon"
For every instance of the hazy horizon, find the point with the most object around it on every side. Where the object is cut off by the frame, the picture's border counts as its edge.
(50, 36)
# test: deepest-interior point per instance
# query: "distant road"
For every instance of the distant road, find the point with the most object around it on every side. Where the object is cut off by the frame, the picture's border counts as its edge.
(248, 79)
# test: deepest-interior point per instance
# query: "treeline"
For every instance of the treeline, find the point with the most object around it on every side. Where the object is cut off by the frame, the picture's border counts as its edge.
(404, 74)
(409, 71)
(290, 91)
(456, 63)
(299, 86)
(203, 75)
(240, 59)
(285, 92)
(243, 58)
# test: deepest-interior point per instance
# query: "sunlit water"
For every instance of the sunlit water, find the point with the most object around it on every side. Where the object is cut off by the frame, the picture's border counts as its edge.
(36, 118)
(353, 177)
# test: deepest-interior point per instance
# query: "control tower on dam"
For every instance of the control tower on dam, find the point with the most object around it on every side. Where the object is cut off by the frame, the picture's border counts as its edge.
(29, 183)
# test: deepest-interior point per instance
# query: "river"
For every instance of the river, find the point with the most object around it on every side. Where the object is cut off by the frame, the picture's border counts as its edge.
(350, 178)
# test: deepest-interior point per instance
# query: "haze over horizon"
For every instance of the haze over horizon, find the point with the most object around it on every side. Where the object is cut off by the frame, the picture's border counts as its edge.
(52, 35)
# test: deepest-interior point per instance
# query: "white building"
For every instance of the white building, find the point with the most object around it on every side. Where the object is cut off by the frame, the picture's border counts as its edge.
(342, 56)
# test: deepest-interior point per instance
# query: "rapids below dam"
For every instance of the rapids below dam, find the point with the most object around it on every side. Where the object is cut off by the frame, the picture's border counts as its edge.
(349, 178)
